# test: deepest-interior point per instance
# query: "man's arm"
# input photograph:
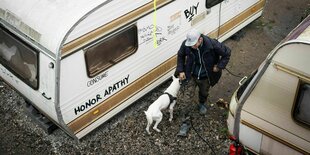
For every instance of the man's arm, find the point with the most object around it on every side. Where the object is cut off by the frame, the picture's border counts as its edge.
(181, 62)
(222, 51)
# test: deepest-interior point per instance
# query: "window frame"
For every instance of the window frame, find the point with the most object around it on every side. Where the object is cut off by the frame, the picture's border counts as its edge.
(243, 87)
(212, 3)
(120, 58)
(32, 49)
(296, 104)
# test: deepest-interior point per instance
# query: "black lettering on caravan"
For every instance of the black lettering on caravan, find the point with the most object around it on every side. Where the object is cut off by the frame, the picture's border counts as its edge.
(97, 79)
(191, 12)
(87, 104)
(91, 102)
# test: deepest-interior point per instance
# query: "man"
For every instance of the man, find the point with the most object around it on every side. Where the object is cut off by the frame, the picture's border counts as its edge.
(200, 61)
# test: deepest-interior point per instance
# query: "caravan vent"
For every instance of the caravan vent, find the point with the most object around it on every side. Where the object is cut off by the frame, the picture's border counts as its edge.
(17, 23)
(198, 18)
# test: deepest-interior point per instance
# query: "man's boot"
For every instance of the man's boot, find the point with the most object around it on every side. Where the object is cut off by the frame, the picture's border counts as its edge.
(184, 127)
(202, 108)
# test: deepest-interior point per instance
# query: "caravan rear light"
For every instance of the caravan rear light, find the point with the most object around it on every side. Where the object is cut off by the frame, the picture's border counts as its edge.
(235, 148)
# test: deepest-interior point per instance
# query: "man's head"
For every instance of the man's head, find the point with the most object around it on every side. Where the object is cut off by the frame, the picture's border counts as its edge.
(193, 39)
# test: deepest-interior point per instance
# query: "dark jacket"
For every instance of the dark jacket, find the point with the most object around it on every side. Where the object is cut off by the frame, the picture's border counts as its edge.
(213, 53)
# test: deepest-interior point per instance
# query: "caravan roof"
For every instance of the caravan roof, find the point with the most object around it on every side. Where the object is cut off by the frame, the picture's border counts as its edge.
(52, 23)
(294, 53)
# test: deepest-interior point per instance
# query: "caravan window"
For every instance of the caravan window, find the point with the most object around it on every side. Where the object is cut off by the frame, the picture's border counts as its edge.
(111, 51)
(211, 3)
(19, 58)
(302, 105)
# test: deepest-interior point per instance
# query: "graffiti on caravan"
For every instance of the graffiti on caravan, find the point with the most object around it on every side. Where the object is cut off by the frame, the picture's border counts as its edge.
(96, 79)
(191, 12)
(173, 29)
(116, 86)
(108, 91)
(87, 104)
(146, 33)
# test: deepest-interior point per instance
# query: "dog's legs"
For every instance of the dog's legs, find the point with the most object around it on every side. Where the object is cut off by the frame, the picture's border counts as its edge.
(171, 110)
(157, 122)
(149, 122)
(148, 128)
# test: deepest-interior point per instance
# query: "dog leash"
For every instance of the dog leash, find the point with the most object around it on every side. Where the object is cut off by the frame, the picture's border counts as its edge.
(183, 83)
(232, 73)
(183, 89)
(207, 142)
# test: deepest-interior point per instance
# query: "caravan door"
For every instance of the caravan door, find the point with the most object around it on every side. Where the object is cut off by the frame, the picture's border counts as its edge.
(25, 67)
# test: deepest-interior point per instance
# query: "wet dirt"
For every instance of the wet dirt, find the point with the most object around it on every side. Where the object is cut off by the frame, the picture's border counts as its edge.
(125, 133)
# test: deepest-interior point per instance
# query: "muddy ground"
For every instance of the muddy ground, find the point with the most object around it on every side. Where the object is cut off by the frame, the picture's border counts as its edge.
(125, 134)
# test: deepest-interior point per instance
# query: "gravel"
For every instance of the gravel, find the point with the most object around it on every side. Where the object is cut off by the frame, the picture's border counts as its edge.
(124, 134)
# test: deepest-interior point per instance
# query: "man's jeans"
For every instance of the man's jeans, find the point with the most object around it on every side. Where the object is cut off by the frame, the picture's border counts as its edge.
(203, 86)
(189, 92)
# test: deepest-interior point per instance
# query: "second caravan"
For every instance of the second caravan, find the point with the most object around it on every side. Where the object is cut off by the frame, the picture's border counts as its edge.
(269, 112)
(80, 63)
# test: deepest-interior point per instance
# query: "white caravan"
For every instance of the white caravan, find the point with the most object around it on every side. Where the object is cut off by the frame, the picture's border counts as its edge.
(270, 111)
(81, 62)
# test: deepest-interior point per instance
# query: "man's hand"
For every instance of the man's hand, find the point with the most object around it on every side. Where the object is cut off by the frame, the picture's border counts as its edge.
(215, 68)
(182, 76)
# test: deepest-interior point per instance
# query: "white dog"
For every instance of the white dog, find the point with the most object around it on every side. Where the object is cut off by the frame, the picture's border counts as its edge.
(154, 113)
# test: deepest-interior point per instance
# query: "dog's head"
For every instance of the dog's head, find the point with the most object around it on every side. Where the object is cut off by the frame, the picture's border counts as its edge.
(181, 82)
(176, 79)
(174, 87)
